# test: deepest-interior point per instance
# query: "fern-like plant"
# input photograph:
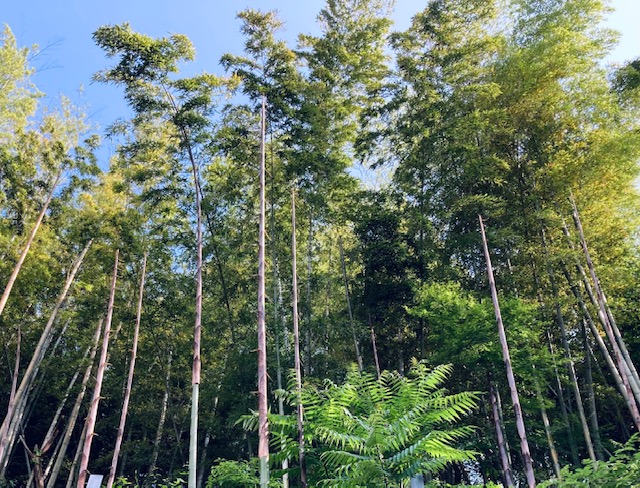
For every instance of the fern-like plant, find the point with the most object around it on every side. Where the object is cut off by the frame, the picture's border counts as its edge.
(378, 432)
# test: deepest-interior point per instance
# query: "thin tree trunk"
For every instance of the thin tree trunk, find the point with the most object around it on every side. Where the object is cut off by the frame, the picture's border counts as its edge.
(375, 348)
(563, 406)
(632, 387)
(601, 302)
(307, 332)
(14, 378)
(346, 293)
(163, 416)
(24, 408)
(73, 416)
(567, 351)
(596, 334)
(25, 250)
(573, 378)
(620, 371)
(296, 344)
(132, 365)
(73, 471)
(591, 400)
(276, 315)
(263, 427)
(6, 432)
(197, 333)
(54, 422)
(203, 459)
(95, 400)
(5, 438)
(547, 431)
(524, 445)
(504, 454)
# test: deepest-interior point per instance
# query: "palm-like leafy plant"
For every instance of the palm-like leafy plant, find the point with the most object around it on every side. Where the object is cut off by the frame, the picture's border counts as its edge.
(376, 432)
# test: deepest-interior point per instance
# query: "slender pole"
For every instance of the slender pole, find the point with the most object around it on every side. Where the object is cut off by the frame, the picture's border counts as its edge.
(276, 311)
(374, 346)
(524, 445)
(27, 246)
(95, 400)
(263, 428)
(36, 359)
(132, 365)
(624, 368)
(346, 293)
(163, 415)
(73, 417)
(296, 343)
(563, 405)
(504, 453)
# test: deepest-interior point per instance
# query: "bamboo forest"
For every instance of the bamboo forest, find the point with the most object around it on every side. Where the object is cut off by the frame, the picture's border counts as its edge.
(368, 257)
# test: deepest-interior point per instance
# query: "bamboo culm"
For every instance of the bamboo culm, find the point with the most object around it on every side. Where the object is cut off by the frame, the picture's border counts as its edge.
(95, 400)
(263, 423)
(23, 255)
(296, 344)
(45, 339)
(348, 298)
(132, 365)
(502, 448)
(73, 416)
(524, 444)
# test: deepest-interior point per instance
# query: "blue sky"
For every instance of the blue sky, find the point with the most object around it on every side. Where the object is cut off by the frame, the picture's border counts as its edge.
(62, 29)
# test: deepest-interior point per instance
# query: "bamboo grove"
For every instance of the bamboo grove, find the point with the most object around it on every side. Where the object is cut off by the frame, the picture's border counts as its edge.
(369, 257)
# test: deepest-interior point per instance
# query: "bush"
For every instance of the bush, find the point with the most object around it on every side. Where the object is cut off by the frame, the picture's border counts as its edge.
(621, 471)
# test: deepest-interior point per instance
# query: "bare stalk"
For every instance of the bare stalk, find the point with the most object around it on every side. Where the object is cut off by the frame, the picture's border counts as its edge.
(132, 364)
(95, 400)
(27, 246)
(524, 445)
(346, 293)
(263, 427)
(296, 342)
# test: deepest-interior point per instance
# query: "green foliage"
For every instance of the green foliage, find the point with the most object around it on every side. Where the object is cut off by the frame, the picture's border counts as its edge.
(232, 474)
(622, 470)
(369, 431)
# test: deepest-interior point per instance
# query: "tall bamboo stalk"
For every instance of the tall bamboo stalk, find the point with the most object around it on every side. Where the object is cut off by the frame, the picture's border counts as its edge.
(197, 332)
(95, 400)
(276, 312)
(163, 415)
(27, 246)
(604, 315)
(375, 347)
(296, 343)
(502, 448)
(591, 399)
(54, 422)
(263, 427)
(347, 297)
(567, 351)
(132, 365)
(563, 405)
(524, 445)
(613, 368)
(73, 416)
(624, 363)
(73, 469)
(6, 430)
(547, 430)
